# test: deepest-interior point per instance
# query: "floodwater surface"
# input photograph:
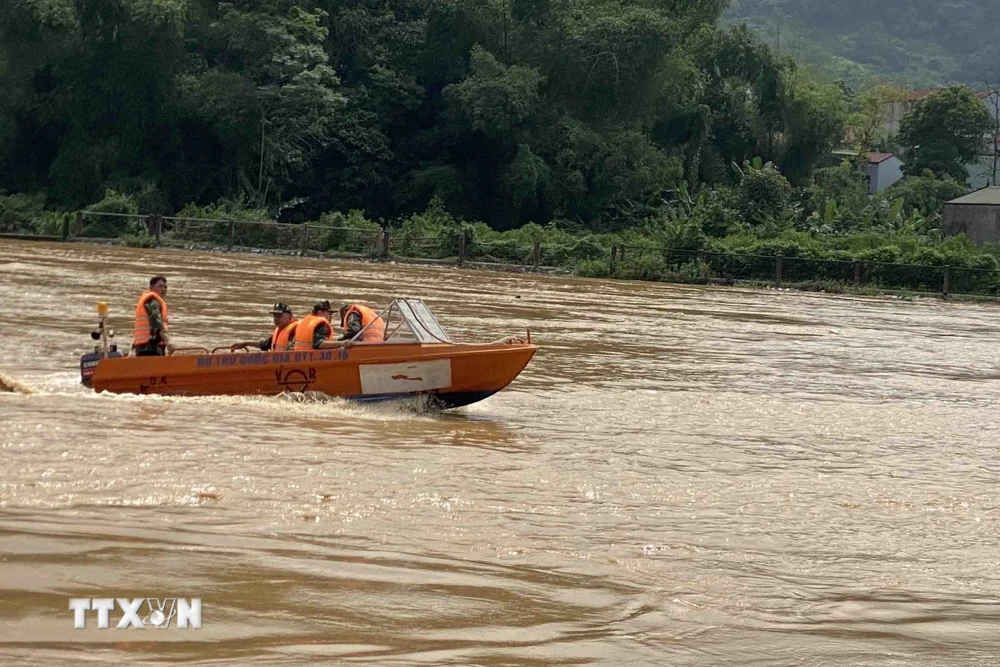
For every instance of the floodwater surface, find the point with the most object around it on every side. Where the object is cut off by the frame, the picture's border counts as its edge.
(681, 476)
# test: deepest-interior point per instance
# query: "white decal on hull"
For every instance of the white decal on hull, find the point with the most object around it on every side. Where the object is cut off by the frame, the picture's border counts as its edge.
(406, 377)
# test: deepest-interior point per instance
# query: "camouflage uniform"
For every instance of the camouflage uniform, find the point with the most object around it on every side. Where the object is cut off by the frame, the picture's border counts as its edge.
(351, 327)
(321, 333)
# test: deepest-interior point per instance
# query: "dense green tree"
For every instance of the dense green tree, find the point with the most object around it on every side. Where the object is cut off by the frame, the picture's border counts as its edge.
(868, 114)
(261, 79)
(94, 79)
(925, 194)
(507, 111)
(944, 132)
(763, 195)
(813, 121)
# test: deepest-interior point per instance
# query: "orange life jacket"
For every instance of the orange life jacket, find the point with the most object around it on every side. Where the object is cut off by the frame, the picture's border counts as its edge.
(141, 332)
(280, 337)
(305, 330)
(372, 334)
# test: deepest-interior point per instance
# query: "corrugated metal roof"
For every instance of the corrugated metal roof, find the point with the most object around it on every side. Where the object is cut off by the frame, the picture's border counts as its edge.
(987, 195)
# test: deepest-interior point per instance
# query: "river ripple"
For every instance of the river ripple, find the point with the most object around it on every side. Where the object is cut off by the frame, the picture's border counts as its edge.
(682, 476)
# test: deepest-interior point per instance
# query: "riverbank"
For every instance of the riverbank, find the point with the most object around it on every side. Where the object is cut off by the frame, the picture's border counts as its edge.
(818, 286)
(667, 251)
(311, 254)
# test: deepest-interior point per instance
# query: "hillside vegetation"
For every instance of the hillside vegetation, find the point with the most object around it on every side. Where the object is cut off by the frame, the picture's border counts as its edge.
(916, 43)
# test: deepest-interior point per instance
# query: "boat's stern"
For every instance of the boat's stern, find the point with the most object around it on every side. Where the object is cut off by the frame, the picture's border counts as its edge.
(89, 362)
(106, 350)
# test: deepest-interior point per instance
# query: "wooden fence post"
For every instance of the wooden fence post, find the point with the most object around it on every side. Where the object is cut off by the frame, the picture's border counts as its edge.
(857, 273)
(232, 233)
(947, 280)
(611, 261)
(65, 226)
(461, 248)
(777, 270)
(385, 243)
(79, 224)
(305, 237)
(702, 263)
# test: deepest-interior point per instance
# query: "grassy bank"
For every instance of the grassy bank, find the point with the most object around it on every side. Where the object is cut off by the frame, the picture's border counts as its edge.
(708, 245)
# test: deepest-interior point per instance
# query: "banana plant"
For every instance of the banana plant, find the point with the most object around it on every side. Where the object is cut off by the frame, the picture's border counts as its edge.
(830, 212)
(755, 164)
(684, 195)
(893, 216)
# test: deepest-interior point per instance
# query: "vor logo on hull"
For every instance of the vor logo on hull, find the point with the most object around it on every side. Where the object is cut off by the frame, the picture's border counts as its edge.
(295, 380)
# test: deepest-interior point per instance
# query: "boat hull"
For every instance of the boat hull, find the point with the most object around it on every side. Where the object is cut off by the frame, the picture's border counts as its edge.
(441, 375)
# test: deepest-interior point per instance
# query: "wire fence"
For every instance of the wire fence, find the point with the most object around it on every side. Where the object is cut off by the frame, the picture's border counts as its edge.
(232, 234)
(586, 256)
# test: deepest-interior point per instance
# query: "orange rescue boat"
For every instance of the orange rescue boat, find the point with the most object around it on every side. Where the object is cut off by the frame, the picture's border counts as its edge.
(416, 360)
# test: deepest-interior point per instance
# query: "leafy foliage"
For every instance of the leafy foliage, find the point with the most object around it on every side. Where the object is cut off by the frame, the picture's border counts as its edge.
(944, 132)
(263, 83)
(507, 111)
(916, 43)
(566, 128)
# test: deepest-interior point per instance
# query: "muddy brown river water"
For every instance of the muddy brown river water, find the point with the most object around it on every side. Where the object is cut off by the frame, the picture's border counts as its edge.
(682, 476)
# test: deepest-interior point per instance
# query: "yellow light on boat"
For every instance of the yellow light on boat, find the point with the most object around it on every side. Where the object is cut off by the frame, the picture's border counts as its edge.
(102, 307)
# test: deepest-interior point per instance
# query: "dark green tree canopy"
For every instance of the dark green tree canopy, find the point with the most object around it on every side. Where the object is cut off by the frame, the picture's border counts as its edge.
(945, 132)
(506, 111)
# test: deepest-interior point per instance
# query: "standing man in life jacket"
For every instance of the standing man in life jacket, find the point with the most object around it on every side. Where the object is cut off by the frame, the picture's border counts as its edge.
(314, 332)
(282, 336)
(355, 318)
(150, 336)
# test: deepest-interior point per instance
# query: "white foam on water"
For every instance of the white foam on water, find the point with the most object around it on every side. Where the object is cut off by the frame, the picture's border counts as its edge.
(309, 405)
(13, 385)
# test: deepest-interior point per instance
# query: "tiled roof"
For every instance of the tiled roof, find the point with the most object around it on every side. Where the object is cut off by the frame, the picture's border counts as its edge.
(875, 158)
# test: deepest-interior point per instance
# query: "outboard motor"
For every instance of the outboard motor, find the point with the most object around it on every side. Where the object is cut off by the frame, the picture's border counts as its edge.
(106, 350)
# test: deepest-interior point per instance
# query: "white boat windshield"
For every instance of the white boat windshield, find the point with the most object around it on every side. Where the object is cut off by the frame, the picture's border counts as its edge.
(409, 320)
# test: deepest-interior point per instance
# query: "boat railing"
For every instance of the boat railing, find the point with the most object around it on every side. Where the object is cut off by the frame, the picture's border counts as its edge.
(228, 349)
(418, 321)
(413, 317)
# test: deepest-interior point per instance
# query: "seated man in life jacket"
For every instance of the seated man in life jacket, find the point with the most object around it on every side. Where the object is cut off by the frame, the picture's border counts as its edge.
(315, 331)
(355, 318)
(282, 336)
